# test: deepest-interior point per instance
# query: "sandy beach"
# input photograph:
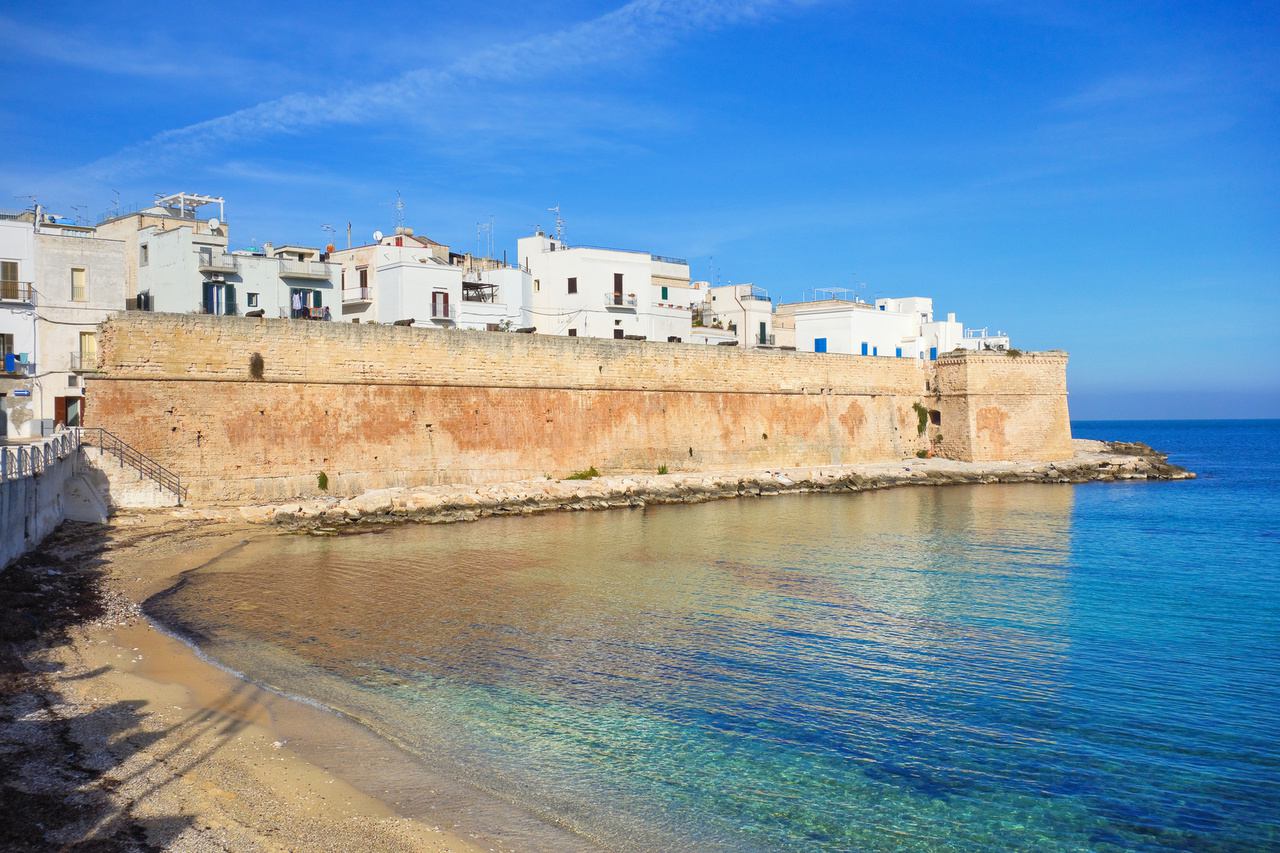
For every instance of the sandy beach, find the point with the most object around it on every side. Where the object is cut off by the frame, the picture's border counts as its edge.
(114, 735)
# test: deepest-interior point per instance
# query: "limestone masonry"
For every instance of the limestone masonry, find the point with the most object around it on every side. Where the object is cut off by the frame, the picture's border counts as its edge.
(255, 409)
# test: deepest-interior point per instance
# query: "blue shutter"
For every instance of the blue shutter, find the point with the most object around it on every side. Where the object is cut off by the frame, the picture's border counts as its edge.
(897, 353)
(864, 347)
(933, 353)
(819, 344)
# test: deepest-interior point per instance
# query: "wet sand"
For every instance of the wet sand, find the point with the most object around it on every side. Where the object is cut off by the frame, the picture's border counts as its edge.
(120, 736)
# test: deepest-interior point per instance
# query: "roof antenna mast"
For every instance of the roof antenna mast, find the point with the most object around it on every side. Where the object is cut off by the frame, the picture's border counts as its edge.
(559, 222)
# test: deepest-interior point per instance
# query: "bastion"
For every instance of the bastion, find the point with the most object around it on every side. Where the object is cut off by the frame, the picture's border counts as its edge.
(255, 409)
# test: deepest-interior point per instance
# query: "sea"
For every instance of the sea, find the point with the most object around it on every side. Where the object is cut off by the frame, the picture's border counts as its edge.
(998, 667)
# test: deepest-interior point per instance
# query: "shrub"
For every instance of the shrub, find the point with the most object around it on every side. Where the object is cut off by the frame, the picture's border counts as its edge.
(922, 413)
(922, 454)
(1013, 353)
(662, 469)
(322, 481)
(589, 474)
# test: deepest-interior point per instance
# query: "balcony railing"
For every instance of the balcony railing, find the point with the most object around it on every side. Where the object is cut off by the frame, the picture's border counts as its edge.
(765, 340)
(665, 260)
(218, 262)
(82, 361)
(357, 294)
(617, 300)
(304, 269)
(443, 312)
(17, 291)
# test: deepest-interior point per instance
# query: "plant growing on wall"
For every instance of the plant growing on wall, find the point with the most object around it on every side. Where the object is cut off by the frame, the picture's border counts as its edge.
(662, 469)
(922, 413)
(587, 474)
(322, 481)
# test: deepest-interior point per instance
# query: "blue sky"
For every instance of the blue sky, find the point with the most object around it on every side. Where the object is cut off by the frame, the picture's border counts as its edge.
(1100, 178)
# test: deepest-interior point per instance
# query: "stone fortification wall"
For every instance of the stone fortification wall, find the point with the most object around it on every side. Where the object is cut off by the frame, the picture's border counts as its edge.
(995, 405)
(255, 409)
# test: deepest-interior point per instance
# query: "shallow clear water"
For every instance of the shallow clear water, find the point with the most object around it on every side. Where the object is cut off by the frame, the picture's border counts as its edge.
(993, 667)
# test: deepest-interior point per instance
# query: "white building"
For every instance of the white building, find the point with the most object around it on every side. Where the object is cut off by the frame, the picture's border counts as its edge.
(57, 283)
(180, 261)
(744, 310)
(406, 277)
(586, 291)
(17, 326)
(899, 328)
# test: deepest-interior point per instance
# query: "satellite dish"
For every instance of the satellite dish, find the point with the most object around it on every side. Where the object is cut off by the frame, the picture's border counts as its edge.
(377, 236)
(214, 224)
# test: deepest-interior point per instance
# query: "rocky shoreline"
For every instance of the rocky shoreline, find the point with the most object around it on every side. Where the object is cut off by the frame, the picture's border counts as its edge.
(1093, 461)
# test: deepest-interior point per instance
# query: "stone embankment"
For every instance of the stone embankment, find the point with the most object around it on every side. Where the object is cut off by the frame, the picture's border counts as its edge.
(1093, 461)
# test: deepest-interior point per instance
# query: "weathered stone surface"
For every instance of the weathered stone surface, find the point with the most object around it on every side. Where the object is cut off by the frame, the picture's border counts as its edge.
(1093, 461)
(376, 407)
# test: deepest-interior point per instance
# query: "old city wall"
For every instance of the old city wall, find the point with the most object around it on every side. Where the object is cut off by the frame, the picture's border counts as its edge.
(256, 408)
(995, 405)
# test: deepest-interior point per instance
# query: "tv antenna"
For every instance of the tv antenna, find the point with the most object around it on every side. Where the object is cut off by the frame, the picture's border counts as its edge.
(399, 206)
(331, 231)
(484, 237)
(78, 210)
(559, 222)
(115, 202)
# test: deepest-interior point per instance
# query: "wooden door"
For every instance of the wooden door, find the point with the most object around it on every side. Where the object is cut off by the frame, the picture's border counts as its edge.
(59, 410)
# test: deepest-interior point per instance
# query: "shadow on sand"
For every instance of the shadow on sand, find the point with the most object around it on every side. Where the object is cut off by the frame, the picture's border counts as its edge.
(70, 775)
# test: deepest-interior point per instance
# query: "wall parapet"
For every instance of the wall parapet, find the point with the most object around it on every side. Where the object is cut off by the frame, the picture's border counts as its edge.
(142, 345)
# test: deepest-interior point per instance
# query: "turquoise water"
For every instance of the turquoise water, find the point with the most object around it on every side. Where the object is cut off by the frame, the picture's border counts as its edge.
(969, 668)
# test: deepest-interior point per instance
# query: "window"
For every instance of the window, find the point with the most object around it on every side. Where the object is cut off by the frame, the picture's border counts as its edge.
(6, 345)
(897, 352)
(79, 285)
(935, 417)
(251, 299)
(664, 294)
(8, 279)
(617, 282)
(144, 255)
(573, 333)
(573, 285)
(364, 277)
(617, 334)
(88, 348)
(537, 285)
(819, 344)
(865, 348)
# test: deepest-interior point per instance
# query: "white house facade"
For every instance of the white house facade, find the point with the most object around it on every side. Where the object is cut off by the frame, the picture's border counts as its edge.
(898, 328)
(594, 292)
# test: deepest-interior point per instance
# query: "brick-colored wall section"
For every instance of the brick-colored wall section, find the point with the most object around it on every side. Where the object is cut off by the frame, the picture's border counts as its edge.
(376, 406)
(998, 406)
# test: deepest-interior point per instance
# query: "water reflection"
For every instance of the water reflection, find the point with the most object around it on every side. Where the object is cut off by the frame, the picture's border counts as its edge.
(850, 672)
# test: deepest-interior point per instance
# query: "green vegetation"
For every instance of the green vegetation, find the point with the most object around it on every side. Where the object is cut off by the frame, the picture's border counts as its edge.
(922, 454)
(589, 474)
(662, 469)
(322, 481)
(922, 412)
(1013, 353)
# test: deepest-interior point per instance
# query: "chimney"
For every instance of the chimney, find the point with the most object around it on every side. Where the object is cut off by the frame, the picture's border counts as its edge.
(267, 249)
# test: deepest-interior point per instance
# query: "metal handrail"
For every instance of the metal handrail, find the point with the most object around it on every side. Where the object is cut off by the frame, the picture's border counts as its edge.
(127, 455)
(17, 291)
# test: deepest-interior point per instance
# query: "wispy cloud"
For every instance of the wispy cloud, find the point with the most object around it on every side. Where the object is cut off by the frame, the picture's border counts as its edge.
(1135, 88)
(630, 32)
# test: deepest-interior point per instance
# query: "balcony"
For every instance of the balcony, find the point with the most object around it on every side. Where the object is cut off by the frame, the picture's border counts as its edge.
(82, 361)
(304, 269)
(444, 313)
(352, 295)
(218, 262)
(19, 292)
(617, 300)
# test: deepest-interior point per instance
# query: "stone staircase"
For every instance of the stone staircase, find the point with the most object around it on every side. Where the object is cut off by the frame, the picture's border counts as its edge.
(129, 478)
